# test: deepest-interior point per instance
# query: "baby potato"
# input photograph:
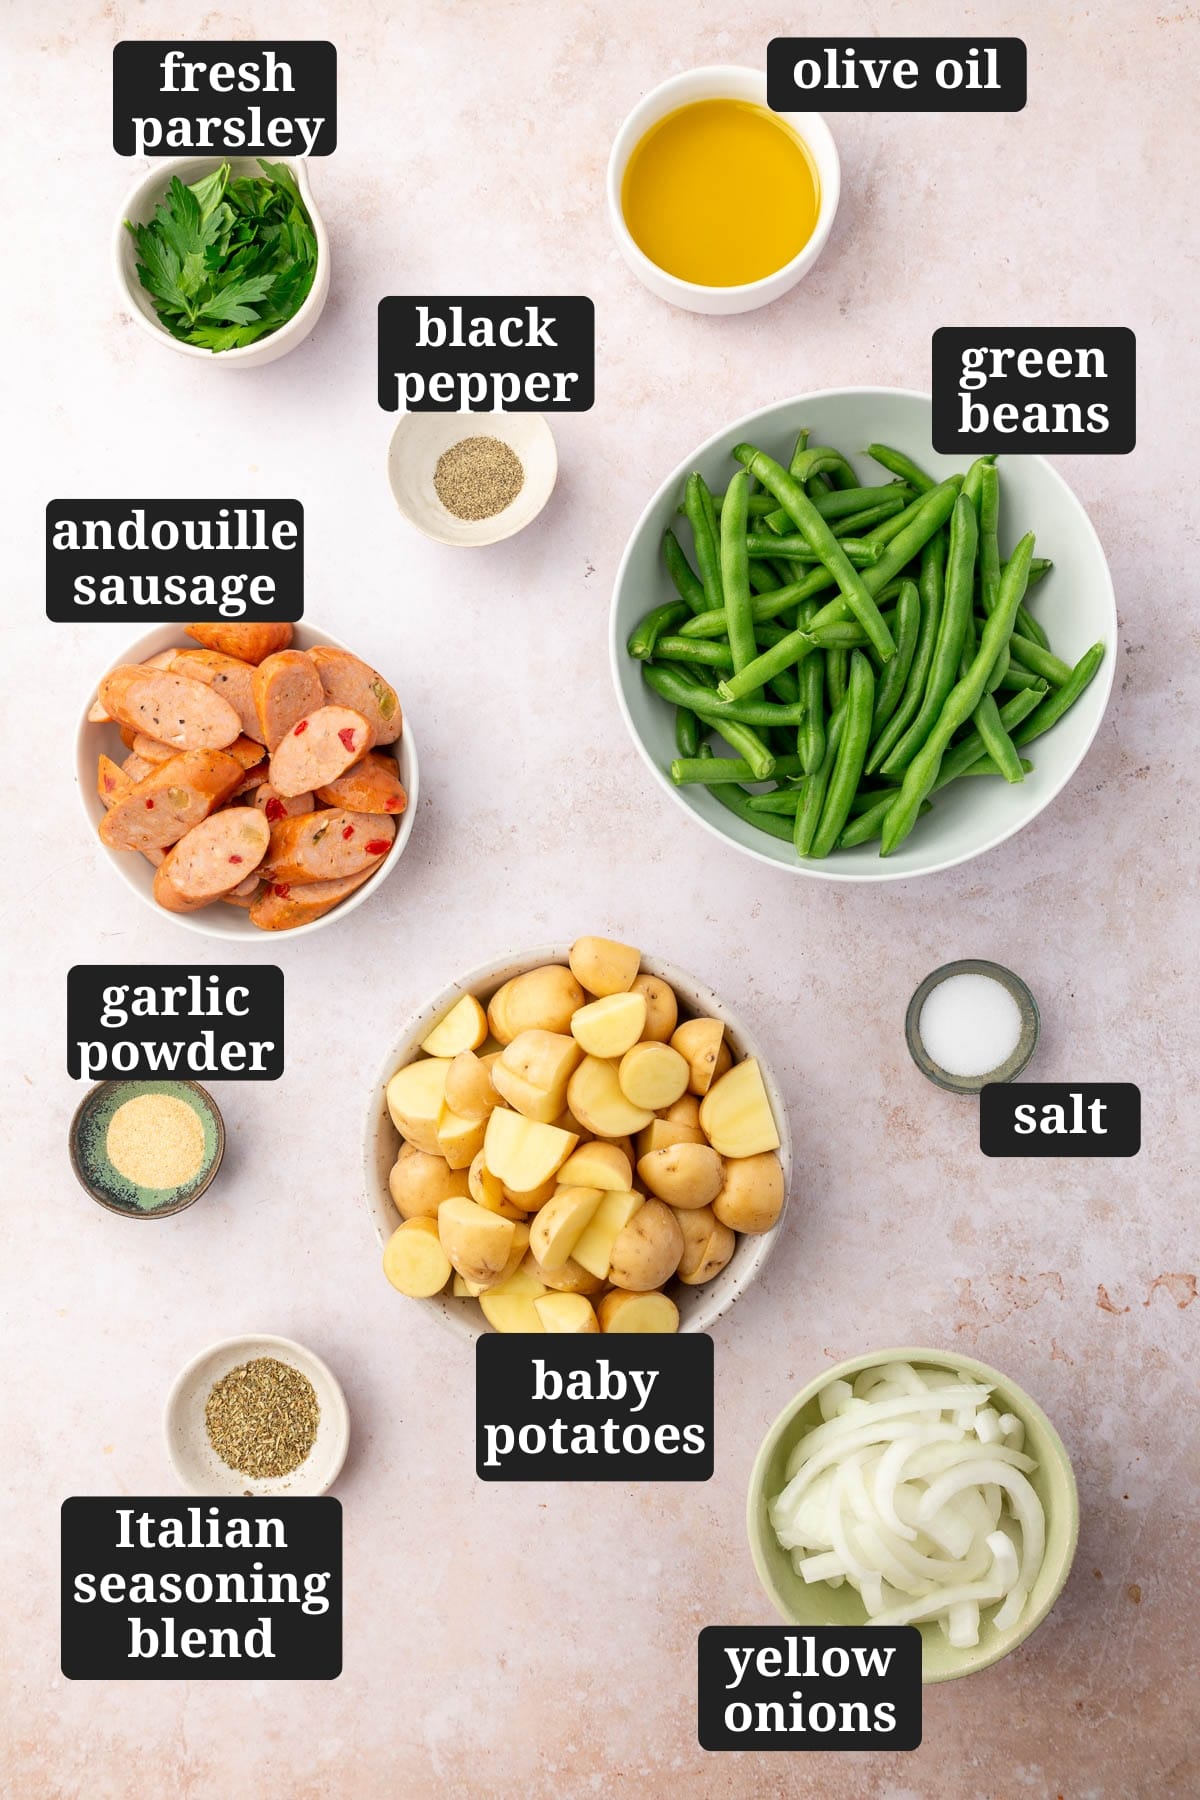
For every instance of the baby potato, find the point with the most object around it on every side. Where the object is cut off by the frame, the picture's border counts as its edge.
(611, 1026)
(478, 1242)
(414, 1260)
(415, 1096)
(419, 1183)
(594, 1096)
(603, 966)
(560, 1224)
(736, 1114)
(662, 1008)
(700, 1043)
(565, 1312)
(469, 1092)
(459, 1140)
(685, 1111)
(647, 1250)
(486, 1190)
(603, 1166)
(533, 1071)
(464, 1027)
(751, 1196)
(660, 1134)
(570, 1279)
(539, 1000)
(707, 1246)
(637, 1312)
(653, 1075)
(684, 1175)
(523, 1154)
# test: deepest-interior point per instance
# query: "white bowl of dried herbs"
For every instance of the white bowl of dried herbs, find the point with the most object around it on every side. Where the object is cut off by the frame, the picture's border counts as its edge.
(257, 1415)
(471, 478)
(223, 259)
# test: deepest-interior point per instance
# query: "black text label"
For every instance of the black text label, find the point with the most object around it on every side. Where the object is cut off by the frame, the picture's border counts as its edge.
(896, 74)
(527, 353)
(1015, 388)
(827, 1687)
(224, 98)
(1060, 1118)
(153, 1023)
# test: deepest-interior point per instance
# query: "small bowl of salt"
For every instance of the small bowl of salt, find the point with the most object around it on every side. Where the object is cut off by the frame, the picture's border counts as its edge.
(970, 1023)
(472, 478)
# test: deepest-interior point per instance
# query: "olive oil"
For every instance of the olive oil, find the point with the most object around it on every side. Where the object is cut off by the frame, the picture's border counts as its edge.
(720, 193)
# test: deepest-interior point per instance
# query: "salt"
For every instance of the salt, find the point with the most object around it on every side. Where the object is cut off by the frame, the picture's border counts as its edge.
(970, 1025)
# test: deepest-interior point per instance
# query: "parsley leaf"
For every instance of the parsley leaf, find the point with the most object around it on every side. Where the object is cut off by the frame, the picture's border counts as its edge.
(227, 261)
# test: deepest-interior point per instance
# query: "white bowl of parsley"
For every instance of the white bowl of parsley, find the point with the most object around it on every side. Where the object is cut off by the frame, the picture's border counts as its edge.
(226, 260)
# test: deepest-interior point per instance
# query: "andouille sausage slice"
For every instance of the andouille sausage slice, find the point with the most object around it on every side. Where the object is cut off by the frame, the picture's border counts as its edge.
(173, 709)
(281, 906)
(148, 748)
(286, 689)
(112, 782)
(348, 681)
(168, 802)
(212, 859)
(100, 715)
(245, 893)
(228, 676)
(137, 767)
(276, 806)
(252, 780)
(326, 845)
(318, 749)
(250, 643)
(371, 786)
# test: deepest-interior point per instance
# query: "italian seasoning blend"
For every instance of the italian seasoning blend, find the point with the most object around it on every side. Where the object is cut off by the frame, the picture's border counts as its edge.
(262, 1418)
(478, 477)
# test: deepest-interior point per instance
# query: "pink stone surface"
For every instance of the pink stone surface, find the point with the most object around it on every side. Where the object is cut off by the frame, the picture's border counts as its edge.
(540, 1641)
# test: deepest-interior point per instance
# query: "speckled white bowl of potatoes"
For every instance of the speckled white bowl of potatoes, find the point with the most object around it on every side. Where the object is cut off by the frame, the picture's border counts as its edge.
(699, 1305)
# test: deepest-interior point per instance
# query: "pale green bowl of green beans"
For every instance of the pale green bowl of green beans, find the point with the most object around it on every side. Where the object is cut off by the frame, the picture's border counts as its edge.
(852, 657)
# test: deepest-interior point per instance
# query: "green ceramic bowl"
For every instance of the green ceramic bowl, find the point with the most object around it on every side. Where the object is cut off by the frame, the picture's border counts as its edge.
(816, 1603)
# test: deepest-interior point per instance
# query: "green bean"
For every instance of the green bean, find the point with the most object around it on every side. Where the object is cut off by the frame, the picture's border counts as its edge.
(989, 581)
(1031, 656)
(762, 577)
(808, 520)
(837, 670)
(1018, 678)
(790, 647)
(867, 825)
(956, 615)
(1056, 703)
(986, 719)
(812, 794)
(694, 650)
(903, 537)
(973, 479)
(689, 588)
(969, 749)
(810, 736)
(851, 754)
(680, 689)
(735, 572)
(799, 549)
(709, 770)
(922, 771)
(705, 540)
(647, 632)
(895, 673)
(783, 801)
(820, 460)
(1039, 568)
(738, 801)
(870, 515)
(930, 586)
(835, 503)
(687, 731)
(896, 463)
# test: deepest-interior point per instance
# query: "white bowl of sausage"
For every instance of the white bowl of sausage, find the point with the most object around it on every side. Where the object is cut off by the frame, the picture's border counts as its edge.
(221, 920)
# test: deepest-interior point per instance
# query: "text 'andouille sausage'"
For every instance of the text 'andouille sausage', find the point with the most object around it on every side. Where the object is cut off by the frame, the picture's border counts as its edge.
(168, 802)
(348, 681)
(215, 857)
(171, 709)
(327, 845)
(318, 749)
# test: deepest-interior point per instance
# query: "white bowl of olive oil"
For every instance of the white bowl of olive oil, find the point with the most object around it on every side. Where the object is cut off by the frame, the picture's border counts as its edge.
(720, 205)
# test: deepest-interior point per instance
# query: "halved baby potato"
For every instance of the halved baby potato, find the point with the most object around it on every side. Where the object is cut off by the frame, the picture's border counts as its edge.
(459, 1140)
(418, 1183)
(603, 966)
(736, 1115)
(522, 1153)
(701, 1042)
(464, 1027)
(469, 1092)
(598, 1165)
(415, 1096)
(533, 1070)
(647, 1250)
(478, 1242)
(662, 1008)
(414, 1259)
(541, 999)
(684, 1175)
(594, 1096)
(509, 1306)
(660, 1134)
(611, 1026)
(560, 1224)
(751, 1195)
(487, 1190)
(707, 1246)
(637, 1312)
(566, 1312)
(653, 1075)
(594, 1247)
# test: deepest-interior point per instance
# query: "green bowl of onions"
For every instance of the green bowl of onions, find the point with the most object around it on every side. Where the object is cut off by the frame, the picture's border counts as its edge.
(920, 1487)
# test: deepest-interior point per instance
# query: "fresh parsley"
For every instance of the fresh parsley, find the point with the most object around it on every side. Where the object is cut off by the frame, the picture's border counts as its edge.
(229, 259)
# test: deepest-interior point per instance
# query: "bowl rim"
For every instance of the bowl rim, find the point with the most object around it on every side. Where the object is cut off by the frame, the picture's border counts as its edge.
(486, 977)
(648, 111)
(953, 1360)
(157, 1212)
(290, 1350)
(537, 422)
(159, 175)
(828, 871)
(196, 921)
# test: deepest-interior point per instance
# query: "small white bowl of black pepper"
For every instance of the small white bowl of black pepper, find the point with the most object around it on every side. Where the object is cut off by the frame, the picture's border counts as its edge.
(471, 478)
